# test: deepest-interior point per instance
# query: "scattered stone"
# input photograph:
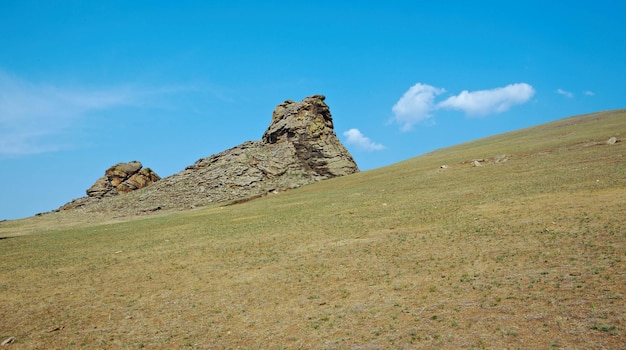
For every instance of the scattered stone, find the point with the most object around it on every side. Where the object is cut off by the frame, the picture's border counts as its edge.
(611, 141)
(157, 208)
(55, 329)
(500, 158)
(8, 341)
(476, 163)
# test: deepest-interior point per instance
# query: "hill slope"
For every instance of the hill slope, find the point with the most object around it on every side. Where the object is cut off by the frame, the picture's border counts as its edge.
(524, 253)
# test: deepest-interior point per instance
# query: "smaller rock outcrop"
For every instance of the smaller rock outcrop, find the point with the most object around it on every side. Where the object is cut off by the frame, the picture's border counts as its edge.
(122, 178)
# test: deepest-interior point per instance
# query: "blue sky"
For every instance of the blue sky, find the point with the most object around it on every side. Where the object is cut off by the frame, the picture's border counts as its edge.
(87, 84)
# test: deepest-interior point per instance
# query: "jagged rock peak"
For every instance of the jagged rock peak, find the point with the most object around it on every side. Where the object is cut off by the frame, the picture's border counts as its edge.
(290, 119)
(308, 127)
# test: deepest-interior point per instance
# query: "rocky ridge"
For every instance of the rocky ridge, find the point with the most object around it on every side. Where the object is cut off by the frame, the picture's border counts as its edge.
(299, 147)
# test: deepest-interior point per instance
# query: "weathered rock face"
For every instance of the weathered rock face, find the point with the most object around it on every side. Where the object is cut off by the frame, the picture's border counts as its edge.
(299, 147)
(122, 178)
(307, 132)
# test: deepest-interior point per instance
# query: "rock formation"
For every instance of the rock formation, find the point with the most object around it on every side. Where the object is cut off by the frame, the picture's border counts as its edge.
(304, 133)
(122, 178)
(299, 147)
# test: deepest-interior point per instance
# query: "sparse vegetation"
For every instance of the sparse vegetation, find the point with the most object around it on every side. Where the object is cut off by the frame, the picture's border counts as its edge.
(527, 253)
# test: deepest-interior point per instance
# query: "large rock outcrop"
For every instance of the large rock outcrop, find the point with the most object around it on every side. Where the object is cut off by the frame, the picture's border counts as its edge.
(299, 147)
(304, 133)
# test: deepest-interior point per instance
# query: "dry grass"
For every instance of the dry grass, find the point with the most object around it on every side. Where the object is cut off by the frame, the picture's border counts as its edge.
(529, 253)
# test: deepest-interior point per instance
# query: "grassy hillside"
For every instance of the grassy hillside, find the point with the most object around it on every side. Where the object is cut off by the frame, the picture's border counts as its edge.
(525, 253)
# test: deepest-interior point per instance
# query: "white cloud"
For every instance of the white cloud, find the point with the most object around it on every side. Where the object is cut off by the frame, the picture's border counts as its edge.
(589, 93)
(564, 93)
(415, 105)
(485, 102)
(356, 138)
(34, 117)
